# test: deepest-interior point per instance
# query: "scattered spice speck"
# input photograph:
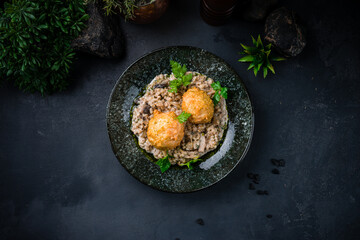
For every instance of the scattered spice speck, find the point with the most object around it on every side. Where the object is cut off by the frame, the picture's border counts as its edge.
(253, 176)
(275, 171)
(278, 162)
(262, 192)
(269, 216)
(250, 175)
(200, 221)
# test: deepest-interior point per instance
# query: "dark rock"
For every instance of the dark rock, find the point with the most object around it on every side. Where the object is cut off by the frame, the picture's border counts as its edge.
(251, 186)
(285, 32)
(269, 216)
(103, 36)
(275, 171)
(256, 10)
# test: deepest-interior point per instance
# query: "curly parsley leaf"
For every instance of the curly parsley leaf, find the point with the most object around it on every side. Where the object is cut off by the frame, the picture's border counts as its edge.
(187, 79)
(216, 86)
(174, 84)
(219, 91)
(179, 73)
(177, 69)
(164, 163)
(183, 117)
(189, 163)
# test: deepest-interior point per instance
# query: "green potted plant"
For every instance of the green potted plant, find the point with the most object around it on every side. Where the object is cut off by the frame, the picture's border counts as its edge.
(35, 43)
(137, 11)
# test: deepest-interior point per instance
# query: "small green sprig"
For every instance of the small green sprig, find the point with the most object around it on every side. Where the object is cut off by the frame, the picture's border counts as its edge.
(164, 163)
(182, 79)
(219, 91)
(183, 117)
(190, 163)
(259, 56)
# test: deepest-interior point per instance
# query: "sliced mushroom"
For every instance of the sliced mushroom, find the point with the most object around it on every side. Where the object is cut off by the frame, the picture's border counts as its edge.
(202, 144)
(146, 109)
(160, 85)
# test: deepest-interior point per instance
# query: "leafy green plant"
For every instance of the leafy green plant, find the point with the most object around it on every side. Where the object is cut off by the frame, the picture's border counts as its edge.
(183, 117)
(259, 56)
(182, 79)
(219, 91)
(124, 7)
(35, 38)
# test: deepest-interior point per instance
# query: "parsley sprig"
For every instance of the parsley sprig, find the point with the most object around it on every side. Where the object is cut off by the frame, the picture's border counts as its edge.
(164, 163)
(219, 91)
(181, 79)
(183, 117)
(189, 163)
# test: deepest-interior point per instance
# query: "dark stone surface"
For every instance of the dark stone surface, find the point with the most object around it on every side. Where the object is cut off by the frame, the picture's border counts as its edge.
(284, 30)
(103, 36)
(256, 10)
(60, 180)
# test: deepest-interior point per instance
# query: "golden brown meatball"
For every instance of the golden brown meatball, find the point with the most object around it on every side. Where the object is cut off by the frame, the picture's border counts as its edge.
(165, 131)
(199, 104)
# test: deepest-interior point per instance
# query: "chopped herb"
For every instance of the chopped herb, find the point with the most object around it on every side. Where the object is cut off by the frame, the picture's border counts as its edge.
(181, 79)
(164, 163)
(183, 117)
(189, 163)
(219, 91)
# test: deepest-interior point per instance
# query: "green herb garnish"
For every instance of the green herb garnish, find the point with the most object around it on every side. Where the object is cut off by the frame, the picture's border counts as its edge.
(164, 163)
(219, 91)
(181, 79)
(183, 117)
(189, 163)
(259, 56)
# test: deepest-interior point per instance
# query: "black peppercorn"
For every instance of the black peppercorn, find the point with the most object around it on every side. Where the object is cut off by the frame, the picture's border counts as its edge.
(200, 221)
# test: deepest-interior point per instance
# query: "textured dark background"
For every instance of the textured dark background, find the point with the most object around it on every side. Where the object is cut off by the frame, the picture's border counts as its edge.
(60, 180)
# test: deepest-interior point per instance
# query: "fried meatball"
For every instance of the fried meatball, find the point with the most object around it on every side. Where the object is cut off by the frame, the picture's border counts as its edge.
(165, 132)
(199, 104)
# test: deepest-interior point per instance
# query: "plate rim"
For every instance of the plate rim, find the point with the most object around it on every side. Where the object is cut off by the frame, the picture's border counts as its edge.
(240, 159)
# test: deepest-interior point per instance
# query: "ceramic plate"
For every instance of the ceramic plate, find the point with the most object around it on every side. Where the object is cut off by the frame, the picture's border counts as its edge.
(224, 159)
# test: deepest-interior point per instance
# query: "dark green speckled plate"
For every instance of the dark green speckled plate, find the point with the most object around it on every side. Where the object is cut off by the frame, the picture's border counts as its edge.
(227, 156)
